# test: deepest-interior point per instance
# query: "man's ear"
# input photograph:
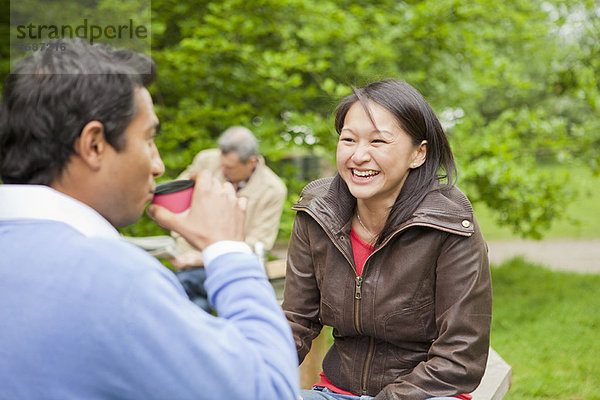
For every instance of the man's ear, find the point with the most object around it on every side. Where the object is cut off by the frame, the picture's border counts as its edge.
(253, 160)
(91, 144)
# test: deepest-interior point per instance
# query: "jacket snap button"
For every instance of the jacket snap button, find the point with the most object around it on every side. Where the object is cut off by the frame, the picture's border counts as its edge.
(466, 223)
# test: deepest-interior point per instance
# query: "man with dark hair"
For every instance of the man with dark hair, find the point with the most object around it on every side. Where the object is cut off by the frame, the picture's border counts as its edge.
(85, 314)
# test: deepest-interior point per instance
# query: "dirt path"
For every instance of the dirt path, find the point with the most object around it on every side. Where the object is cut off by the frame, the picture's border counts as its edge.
(566, 254)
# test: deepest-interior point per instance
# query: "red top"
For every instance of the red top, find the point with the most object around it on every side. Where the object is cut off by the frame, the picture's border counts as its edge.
(361, 252)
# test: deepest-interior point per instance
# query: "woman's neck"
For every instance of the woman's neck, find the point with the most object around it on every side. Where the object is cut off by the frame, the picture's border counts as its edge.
(371, 217)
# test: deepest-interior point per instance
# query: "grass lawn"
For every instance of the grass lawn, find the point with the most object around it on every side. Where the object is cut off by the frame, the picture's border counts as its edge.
(546, 325)
(582, 219)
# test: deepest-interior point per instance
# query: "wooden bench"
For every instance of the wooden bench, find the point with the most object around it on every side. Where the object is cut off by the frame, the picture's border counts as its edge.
(275, 269)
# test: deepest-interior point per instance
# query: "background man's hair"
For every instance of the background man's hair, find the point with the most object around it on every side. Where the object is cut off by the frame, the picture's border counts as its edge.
(53, 94)
(240, 140)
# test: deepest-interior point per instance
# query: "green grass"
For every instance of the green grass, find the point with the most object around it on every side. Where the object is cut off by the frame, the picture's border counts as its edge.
(546, 325)
(581, 221)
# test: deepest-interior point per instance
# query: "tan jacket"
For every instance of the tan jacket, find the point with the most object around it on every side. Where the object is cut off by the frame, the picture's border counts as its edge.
(416, 323)
(265, 192)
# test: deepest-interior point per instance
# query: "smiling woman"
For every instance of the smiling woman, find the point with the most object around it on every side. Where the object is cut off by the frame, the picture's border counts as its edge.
(399, 117)
(391, 257)
(374, 157)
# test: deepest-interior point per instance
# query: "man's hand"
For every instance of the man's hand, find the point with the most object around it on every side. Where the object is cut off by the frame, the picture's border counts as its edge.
(216, 214)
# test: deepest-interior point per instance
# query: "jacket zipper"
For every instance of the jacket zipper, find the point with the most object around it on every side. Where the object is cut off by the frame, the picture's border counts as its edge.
(357, 298)
(367, 365)
(357, 292)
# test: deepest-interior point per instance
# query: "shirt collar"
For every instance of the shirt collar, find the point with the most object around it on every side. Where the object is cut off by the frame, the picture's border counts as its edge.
(43, 202)
(241, 185)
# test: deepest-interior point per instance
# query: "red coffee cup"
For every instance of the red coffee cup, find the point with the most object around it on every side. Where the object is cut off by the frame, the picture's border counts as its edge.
(175, 196)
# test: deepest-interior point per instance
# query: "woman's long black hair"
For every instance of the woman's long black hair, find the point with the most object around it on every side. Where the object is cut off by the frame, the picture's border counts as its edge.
(416, 117)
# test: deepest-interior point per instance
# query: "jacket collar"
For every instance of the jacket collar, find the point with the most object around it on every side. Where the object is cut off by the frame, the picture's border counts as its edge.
(329, 201)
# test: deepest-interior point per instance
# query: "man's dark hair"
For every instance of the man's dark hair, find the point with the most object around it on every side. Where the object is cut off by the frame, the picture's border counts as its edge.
(53, 94)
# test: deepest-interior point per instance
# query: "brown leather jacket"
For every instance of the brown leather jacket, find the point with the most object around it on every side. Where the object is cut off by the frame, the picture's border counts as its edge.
(416, 323)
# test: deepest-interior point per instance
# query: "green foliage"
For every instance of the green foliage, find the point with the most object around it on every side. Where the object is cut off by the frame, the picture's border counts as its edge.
(512, 88)
(578, 220)
(545, 325)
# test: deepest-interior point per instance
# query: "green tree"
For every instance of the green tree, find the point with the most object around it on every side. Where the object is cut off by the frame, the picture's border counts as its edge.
(504, 78)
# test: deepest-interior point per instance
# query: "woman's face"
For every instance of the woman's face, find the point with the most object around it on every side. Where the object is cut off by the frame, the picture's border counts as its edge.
(374, 161)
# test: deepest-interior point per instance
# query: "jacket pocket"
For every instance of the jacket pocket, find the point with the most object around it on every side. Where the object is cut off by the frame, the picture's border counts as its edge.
(414, 324)
(327, 315)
